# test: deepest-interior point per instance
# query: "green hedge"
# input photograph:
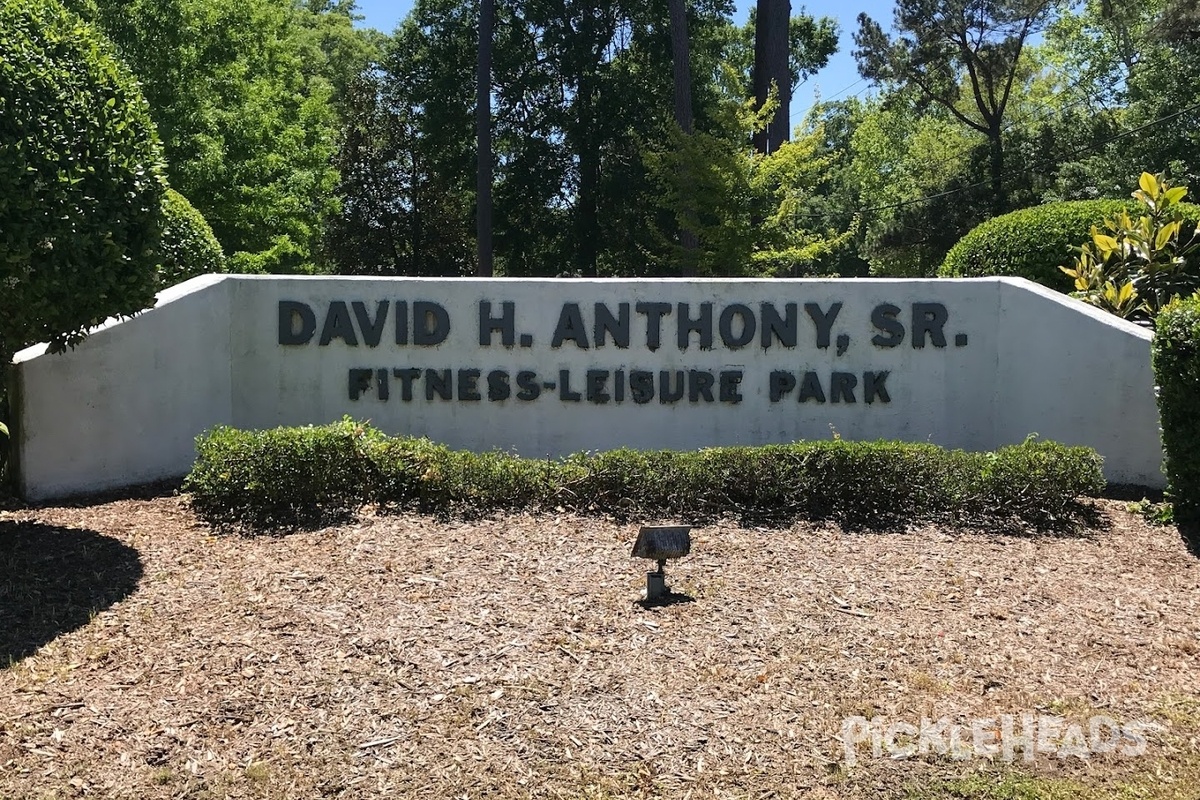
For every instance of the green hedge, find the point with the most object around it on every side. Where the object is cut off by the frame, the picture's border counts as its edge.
(1034, 242)
(291, 476)
(1176, 361)
(188, 247)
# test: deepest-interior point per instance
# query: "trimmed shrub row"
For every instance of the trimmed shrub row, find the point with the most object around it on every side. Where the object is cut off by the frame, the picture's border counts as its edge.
(1175, 356)
(1034, 242)
(309, 475)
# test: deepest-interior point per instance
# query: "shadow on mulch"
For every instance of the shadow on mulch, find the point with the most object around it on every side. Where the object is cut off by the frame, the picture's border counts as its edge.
(668, 599)
(1190, 533)
(53, 579)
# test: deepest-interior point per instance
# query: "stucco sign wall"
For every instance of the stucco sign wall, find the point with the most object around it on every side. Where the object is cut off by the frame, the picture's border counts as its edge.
(549, 367)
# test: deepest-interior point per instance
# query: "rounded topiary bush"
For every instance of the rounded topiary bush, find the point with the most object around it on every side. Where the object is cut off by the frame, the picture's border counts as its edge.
(188, 246)
(80, 180)
(1034, 242)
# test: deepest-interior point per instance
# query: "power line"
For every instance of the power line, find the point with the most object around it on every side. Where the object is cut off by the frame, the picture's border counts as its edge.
(831, 97)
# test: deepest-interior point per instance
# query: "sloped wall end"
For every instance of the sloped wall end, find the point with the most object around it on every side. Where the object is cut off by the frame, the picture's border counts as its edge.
(1077, 375)
(125, 405)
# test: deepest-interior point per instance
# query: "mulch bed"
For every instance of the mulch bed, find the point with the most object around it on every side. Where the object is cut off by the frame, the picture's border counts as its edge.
(148, 656)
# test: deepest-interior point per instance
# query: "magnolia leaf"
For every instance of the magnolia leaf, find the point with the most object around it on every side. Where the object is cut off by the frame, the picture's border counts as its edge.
(1105, 242)
(1165, 235)
(1175, 194)
(1149, 184)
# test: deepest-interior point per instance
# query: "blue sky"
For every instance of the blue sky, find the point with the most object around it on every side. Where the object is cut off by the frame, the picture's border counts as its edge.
(839, 79)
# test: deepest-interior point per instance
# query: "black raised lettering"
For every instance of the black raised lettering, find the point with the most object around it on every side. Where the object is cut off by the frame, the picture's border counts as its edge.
(372, 332)
(883, 317)
(431, 324)
(874, 386)
(781, 383)
(841, 387)
(498, 388)
(505, 323)
(359, 382)
(749, 326)
(641, 386)
(291, 311)
(823, 320)
(570, 326)
(564, 388)
(607, 325)
(700, 383)
(528, 383)
(654, 314)
(810, 389)
(401, 322)
(406, 378)
(468, 385)
(928, 318)
(701, 325)
(338, 325)
(665, 393)
(438, 382)
(596, 378)
(730, 381)
(784, 330)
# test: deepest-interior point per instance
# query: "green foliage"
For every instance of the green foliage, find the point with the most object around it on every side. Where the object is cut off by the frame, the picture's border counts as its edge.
(304, 475)
(1133, 267)
(284, 476)
(189, 247)
(1175, 356)
(1033, 242)
(80, 180)
(748, 210)
(245, 98)
(1152, 512)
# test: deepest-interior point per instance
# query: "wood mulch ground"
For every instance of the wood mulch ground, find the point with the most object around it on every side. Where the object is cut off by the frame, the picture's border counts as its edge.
(142, 655)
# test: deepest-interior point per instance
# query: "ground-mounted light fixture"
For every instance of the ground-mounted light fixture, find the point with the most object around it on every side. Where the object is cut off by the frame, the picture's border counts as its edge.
(658, 543)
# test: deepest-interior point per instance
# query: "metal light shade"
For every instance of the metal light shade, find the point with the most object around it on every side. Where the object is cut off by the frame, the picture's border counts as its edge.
(660, 542)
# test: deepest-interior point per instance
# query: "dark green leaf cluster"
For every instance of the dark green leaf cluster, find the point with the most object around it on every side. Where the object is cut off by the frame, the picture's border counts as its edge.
(309, 475)
(189, 247)
(80, 180)
(1176, 360)
(1034, 242)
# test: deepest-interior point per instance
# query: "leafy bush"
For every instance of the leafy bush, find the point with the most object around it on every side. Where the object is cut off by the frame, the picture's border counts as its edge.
(1134, 265)
(80, 180)
(1034, 242)
(1176, 361)
(302, 475)
(283, 476)
(189, 247)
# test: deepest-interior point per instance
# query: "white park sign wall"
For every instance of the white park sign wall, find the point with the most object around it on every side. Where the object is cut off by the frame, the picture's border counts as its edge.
(550, 367)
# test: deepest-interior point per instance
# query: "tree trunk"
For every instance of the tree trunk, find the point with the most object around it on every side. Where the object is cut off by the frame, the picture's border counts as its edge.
(483, 129)
(682, 66)
(587, 224)
(772, 18)
(996, 170)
